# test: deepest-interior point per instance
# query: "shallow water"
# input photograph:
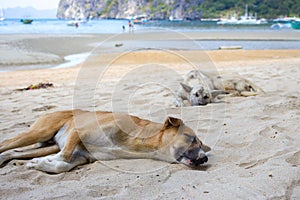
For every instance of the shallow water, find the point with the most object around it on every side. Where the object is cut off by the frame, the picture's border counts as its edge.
(54, 26)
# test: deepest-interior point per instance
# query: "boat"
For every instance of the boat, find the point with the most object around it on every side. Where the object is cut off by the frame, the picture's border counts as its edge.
(26, 21)
(285, 19)
(141, 19)
(246, 19)
(174, 19)
(2, 16)
(280, 26)
(295, 24)
(230, 20)
(76, 22)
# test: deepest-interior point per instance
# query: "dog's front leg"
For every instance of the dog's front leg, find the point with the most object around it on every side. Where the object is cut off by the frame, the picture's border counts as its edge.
(178, 102)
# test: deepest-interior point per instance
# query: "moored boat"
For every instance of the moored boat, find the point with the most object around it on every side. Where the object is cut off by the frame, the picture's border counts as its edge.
(246, 19)
(76, 22)
(280, 26)
(295, 24)
(140, 19)
(2, 16)
(26, 21)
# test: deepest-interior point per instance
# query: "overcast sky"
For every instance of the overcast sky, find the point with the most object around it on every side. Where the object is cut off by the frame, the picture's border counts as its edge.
(38, 4)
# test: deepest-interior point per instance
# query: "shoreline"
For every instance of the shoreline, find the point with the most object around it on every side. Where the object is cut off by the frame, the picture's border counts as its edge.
(215, 56)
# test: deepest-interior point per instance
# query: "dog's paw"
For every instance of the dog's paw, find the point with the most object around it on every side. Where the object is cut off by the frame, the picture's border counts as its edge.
(47, 164)
(32, 164)
(2, 160)
(178, 102)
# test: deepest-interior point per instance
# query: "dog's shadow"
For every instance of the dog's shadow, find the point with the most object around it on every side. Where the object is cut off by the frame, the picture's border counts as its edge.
(202, 167)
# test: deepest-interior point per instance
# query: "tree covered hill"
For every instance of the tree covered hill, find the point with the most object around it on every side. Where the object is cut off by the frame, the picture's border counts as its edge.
(264, 8)
(177, 9)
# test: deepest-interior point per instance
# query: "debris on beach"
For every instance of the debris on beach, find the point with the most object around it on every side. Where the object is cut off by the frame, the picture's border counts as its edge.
(118, 45)
(38, 86)
(230, 47)
(43, 108)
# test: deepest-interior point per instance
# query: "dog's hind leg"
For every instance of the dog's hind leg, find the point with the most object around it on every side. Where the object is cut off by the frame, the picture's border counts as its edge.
(26, 154)
(41, 131)
(27, 138)
(56, 164)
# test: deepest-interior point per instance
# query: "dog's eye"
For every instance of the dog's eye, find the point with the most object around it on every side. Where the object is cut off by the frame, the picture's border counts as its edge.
(194, 141)
(190, 138)
(197, 94)
(206, 96)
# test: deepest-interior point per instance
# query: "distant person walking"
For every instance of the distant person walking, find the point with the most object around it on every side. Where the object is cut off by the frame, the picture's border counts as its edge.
(123, 27)
(130, 26)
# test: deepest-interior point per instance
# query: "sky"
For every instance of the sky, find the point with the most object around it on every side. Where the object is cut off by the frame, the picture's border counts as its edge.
(38, 4)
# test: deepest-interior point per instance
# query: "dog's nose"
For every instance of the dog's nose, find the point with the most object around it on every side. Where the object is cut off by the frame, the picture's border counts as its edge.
(201, 160)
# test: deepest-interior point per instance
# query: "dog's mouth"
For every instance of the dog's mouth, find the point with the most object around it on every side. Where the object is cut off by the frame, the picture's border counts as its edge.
(192, 162)
(199, 103)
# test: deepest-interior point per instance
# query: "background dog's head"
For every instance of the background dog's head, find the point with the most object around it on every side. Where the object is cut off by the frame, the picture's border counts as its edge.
(200, 95)
(196, 77)
(185, 146)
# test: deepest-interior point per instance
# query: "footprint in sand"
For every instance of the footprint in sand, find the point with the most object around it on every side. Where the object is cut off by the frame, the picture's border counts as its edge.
(294, 159)
(254, 163)
(271, 132)
(21, 125)
(43, 108)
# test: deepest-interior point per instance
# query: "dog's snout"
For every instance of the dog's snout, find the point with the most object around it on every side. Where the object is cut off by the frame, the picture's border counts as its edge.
(201, 159)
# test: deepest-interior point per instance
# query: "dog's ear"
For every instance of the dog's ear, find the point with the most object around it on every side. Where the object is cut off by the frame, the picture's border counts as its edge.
(172, 122)
(215, 93)
(186, 88)
(205, 148)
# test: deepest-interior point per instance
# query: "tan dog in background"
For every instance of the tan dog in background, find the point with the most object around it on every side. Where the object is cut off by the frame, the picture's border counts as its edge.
(62, 140)
(201, 88)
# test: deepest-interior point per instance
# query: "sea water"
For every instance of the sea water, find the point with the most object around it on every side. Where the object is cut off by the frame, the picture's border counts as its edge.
(55, 26)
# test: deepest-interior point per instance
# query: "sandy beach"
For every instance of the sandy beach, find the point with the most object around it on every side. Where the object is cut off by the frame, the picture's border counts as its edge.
(255, 140)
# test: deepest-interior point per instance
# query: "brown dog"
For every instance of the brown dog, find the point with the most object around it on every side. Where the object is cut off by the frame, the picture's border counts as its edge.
(78, 137)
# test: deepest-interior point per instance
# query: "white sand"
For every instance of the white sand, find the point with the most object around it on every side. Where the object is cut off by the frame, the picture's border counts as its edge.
(255, 141)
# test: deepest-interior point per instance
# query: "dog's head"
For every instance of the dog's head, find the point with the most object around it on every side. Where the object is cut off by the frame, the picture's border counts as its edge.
(200, 95)
(185, 146)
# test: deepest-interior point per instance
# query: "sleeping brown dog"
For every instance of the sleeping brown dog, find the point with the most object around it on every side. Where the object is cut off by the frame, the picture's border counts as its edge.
(65, 139)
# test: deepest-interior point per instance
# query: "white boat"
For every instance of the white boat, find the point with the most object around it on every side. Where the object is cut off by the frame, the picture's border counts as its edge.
(76, 22)
(246, 19)
(173, 19)
(281, 26)
(286, 19)
(231, 20)
(2, 16)
(140, 19)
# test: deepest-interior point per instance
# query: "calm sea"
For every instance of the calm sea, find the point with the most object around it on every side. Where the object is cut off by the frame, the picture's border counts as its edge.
(54, 26)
